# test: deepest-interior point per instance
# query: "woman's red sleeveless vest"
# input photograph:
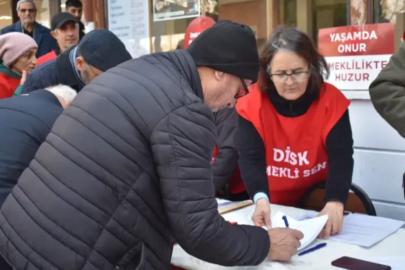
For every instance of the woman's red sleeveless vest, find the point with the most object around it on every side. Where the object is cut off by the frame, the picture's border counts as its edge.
(296, 155)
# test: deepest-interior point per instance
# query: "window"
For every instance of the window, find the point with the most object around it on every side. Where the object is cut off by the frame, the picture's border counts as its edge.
(288, 12)
(43, 12)
(384, 10)
(329, 13)
(168, 32)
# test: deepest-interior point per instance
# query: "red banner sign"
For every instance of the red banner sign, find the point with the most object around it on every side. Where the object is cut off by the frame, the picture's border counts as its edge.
(356, 54)
(197, 26)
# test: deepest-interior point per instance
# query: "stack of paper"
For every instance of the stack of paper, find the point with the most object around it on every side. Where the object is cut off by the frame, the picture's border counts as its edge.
(310, 227)
(366, 231)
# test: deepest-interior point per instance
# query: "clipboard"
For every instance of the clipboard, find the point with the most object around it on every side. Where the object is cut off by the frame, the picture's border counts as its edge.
(232, 206)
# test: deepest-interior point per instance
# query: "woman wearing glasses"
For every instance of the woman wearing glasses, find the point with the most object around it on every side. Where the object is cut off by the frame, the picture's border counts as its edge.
(294, 131)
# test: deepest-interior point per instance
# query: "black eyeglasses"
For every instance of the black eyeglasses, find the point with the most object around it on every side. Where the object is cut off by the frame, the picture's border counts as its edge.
(242, 92)
(295, 76)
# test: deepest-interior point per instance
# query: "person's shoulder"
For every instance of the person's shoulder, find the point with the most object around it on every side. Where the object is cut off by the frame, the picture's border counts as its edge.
(46, 66)
(46, 58)
(40, 104)
(42, 28)
(4, 86)
(254, 96)
(332, 98)
(332, 92)
(151, 74)
(8, 29)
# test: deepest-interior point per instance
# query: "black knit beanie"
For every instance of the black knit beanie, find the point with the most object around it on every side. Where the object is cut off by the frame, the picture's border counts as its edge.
(228, 47)
(103, 49)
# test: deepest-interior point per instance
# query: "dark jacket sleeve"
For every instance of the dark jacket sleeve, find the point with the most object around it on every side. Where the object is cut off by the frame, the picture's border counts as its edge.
(339, 146)
(252, 158)
(182, 145)
(6, 29)
(226, 162)
(387, 91)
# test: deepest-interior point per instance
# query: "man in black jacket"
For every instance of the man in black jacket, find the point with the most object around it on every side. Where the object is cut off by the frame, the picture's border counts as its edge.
(97, 52)
(25, 121)
(126, 168)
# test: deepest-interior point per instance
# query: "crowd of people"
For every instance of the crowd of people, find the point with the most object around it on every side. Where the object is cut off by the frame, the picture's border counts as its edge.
(106, 160)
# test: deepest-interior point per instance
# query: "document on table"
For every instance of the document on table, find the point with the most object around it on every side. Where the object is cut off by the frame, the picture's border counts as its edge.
(366, 231)
(310, 227)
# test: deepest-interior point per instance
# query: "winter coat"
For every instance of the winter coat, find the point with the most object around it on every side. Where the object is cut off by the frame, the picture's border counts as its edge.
(125, 169)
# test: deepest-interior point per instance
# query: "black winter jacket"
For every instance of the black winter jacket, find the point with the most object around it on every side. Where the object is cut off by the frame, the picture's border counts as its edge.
(25, 121)
(125, 169)
(226, 162)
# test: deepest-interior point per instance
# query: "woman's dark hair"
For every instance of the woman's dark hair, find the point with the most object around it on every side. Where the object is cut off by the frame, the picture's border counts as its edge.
(292, 39)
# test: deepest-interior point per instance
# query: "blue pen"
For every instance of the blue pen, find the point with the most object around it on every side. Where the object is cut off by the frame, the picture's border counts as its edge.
(312, 249)
(285, 221)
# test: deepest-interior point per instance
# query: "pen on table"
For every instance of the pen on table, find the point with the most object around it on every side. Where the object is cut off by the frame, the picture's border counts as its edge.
(285, 221)
(312, 249)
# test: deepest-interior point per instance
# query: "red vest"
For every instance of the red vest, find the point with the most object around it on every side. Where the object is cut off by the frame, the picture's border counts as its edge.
(8, 85)
(46, 57)
(236, 184)
(296, 155)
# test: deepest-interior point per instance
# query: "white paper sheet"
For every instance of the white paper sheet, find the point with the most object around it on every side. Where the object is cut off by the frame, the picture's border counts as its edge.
(310, 227)
(222, 202)
(366, 231)
(225, 203)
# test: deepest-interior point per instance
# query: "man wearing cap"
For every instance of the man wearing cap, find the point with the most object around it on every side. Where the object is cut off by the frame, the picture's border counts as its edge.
(126, 168)
(65, 29)
(97, 52)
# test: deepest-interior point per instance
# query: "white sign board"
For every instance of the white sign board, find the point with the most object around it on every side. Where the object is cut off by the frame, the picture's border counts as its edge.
(129, 20)
(356, 54)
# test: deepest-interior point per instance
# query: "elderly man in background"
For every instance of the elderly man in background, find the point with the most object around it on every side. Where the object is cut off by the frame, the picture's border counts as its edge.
(65, 29)
(27, 12)
(25, 121)
(97, 52)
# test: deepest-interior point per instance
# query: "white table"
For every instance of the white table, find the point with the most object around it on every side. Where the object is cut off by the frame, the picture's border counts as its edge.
(391, 249)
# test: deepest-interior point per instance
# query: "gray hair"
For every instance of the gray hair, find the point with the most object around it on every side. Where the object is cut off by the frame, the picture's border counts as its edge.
(25, 1)
(63, 91)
